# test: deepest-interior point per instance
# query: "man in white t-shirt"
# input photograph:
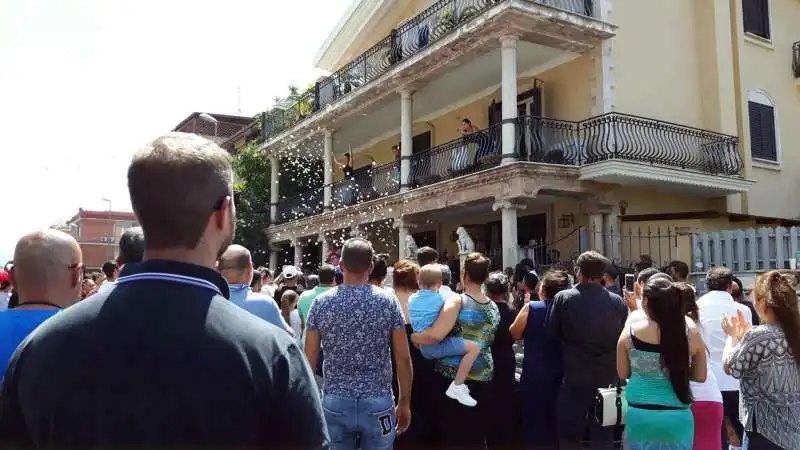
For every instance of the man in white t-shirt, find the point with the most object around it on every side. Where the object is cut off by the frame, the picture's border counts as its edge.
(717, 303)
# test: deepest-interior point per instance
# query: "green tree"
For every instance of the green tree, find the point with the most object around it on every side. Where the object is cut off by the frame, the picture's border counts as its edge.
(252, 169)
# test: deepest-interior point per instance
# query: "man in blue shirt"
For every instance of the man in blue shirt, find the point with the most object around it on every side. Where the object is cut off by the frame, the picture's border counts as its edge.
(356, 324)
(47, 273)
(236, 266)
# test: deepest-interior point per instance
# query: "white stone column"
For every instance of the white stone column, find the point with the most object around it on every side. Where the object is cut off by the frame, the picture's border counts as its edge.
(508, 226)
(273, 260)
(324, 247)
(274, 180)
(406, 138)
(596, 232)
(403, 231)
(298, 253)
(328, 170)
(508, 55)
(612, 235)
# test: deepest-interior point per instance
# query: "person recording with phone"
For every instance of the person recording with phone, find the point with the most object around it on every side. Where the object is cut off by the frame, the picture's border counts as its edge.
(632, 294)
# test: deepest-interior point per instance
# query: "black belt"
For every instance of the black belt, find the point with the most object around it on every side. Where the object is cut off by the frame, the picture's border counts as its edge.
(656, 407)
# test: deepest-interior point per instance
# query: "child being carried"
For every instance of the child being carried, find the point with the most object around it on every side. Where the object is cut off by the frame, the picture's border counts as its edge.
(424, 308)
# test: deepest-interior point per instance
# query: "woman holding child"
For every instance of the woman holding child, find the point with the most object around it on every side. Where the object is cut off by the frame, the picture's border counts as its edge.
(477, 317)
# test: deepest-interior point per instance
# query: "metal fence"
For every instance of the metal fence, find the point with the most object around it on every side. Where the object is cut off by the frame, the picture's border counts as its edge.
(627, 249)
(749, 250)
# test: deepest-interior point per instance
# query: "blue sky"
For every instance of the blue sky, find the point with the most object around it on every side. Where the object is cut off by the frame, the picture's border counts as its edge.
(84, 83)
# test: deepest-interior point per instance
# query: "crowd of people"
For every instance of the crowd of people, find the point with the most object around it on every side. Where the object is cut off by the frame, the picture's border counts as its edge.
(185, 344)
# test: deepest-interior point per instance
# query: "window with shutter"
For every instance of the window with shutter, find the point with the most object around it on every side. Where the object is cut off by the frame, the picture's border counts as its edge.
(755, 15)
(763, 142)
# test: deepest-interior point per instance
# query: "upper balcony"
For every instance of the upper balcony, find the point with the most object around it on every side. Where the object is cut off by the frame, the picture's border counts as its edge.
(612, 148)
(446, 34)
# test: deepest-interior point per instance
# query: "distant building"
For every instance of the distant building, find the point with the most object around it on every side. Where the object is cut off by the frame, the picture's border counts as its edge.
(98, 233)
(225, 127)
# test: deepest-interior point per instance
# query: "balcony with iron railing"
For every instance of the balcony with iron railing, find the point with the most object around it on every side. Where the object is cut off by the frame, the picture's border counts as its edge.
(609, 137)
(409, 39)
(796, 60)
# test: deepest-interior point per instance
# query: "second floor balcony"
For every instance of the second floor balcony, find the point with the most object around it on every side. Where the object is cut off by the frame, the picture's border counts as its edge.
(449, 30)
(614, 148)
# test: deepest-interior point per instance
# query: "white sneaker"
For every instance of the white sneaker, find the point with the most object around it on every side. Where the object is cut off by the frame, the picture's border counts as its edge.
(460, 393)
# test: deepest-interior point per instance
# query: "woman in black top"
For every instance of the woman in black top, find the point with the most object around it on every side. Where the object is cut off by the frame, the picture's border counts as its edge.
(506, 428)
(422, 429)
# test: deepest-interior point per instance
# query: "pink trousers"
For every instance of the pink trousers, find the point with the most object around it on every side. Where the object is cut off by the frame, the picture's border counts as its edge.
(707, 425)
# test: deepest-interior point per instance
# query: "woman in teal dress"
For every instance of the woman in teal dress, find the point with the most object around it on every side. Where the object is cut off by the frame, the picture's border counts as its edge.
(659, 356)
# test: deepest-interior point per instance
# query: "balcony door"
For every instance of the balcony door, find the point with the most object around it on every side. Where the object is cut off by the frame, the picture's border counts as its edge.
(420, 165)
(529, 103)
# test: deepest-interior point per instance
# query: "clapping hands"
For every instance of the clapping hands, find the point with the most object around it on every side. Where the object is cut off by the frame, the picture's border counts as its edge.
(736, 326)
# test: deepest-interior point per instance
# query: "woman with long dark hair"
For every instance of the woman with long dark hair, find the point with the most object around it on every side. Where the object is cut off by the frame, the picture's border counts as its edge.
(659, 356)
(707, 408)
(765, 360)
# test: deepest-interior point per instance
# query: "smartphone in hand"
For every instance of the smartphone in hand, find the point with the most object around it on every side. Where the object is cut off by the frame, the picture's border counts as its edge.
(629, 280)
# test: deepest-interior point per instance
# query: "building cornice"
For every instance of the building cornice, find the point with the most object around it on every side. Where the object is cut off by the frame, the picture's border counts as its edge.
(358, 15)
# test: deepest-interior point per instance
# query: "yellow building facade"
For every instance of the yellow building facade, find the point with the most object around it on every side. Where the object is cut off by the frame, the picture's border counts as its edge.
(591, 127)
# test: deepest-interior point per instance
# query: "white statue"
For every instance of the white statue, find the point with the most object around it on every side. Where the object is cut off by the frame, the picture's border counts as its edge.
(411, 247)
(465, 243)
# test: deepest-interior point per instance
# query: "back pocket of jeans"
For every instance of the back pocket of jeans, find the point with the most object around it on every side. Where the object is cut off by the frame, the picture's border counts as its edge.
(385, 422)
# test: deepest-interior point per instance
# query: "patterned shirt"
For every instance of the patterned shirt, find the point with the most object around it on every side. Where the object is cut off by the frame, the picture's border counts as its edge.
(355, 323)
(769, 385)
(478, 323)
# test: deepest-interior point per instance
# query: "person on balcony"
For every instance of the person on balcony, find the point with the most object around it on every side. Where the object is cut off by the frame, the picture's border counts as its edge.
(461, 159)
(349, 173)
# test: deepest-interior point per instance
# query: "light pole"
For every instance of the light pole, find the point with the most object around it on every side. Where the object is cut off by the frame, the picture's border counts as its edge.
(210, 119)
(109, 247)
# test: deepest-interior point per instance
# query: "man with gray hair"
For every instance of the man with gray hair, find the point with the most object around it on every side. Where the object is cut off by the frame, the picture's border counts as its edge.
(164, 360)
(236, 266)
(47, 273)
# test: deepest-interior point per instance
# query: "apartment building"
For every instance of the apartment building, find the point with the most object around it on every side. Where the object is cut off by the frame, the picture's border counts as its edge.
(541, 127)
(98, 233)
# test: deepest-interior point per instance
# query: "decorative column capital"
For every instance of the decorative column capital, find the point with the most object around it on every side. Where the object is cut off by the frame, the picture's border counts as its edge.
(400, 222)
(406, 93)
(507, 204)
(328, 132)
(509, 41)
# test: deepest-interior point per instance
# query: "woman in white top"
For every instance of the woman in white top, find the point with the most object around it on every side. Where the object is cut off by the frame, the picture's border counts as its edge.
(707, 406)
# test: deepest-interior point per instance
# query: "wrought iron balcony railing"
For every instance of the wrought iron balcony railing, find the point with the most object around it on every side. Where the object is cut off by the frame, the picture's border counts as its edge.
(796, 59)
(367, 183)
(429, 26)
(477, 151)
(607, 137)
(307, 204)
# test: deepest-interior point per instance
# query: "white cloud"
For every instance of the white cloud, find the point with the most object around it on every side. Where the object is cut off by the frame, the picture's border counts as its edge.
(84, 83)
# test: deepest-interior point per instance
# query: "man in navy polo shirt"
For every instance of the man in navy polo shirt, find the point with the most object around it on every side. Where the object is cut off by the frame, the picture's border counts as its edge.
(164, 360)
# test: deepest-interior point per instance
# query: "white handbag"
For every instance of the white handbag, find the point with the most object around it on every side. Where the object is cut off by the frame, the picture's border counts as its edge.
(610, 407)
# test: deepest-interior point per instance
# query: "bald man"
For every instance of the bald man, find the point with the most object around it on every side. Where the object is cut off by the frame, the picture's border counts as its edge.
(47, 274)
(236, 266)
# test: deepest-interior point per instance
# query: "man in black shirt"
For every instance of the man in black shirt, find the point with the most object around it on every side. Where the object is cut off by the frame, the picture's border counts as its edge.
(588, 320)
(164, 360)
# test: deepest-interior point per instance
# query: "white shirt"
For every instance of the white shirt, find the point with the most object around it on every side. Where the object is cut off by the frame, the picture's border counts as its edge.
(446, 292)
(713, 306)
(296, 324)
(635, 315)
(4, 298)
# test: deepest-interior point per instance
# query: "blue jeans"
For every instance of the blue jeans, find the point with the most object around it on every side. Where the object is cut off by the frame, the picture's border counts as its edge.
(370, 421)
